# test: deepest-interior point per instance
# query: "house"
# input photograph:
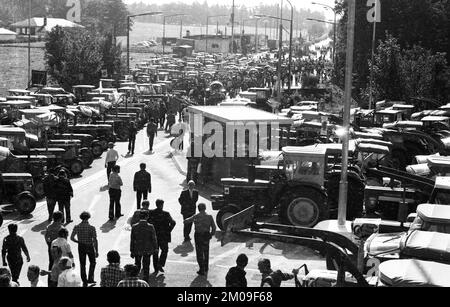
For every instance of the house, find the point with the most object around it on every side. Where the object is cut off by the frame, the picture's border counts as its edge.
(39, 26)
(7, 35)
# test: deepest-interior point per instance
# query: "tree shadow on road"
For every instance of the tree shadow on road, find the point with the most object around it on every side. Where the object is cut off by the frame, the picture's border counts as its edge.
(184, 249)
(108, 226)
(200, 281)
(40, 227)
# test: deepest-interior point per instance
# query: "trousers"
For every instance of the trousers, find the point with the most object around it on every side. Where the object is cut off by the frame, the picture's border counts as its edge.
(143, 261)
(114, 203)
(131, 144)
(139, 196)
(187, 228)
(109, 167)
(15, 266)
(160, 260)
(150, 141)
(64, 206)
(89, 252)
(51, 203)
(202, 250)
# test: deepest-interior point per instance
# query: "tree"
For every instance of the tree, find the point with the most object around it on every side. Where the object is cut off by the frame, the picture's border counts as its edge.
(412, 22)
(74, 56)
(106, 16)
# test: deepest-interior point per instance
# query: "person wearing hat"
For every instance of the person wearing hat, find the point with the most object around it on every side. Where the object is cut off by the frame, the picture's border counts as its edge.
(111, 159)
(188, 201)
(132, 131)
(86, 237)
(63, 192)
(152, 130)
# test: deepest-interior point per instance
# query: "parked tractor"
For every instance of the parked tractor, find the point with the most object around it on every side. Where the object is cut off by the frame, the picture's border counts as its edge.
(303, 190)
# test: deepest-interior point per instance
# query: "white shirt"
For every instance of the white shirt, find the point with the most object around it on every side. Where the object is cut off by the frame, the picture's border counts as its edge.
(69, 279)
(112, 155)
(64, 245)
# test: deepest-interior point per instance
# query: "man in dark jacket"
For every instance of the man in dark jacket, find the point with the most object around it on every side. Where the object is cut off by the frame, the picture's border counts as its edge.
(164, 224)
(162, 113)
(152, 130)
(132, 131)
(188, 201)
(142, 184)
(143, 244)
(13, 246)
(236, 275)
(63, 192)
(49, 192)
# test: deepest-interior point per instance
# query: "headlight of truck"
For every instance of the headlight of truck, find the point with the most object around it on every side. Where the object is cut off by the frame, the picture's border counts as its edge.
(28, 185)
(226, 191)
(371, 203)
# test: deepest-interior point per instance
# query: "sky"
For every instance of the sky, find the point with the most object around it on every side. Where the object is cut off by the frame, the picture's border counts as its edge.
(251, 3)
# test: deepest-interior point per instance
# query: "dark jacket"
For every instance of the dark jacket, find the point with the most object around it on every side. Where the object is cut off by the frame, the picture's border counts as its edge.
(152, 129)
(163, 223)
(142, 181)
(275, 278)
(63, 189)
(137, 216)
(236, 278)
(143, 239)
(188, 204)
(132, 131)
(49, 186)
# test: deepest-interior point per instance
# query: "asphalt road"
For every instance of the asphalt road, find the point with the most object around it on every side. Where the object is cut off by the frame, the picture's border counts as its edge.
(180, 271)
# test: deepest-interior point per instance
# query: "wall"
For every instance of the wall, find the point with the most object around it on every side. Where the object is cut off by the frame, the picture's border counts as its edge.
(214, 45)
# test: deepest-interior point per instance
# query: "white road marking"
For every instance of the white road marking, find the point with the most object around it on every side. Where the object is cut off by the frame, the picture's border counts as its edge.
(94, 202)
(126, 229)
(227, 254)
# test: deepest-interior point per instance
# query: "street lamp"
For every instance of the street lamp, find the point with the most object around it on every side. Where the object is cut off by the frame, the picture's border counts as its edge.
(207, 24)
(164, 28)
(334, 27)
(128, 32)
(290, 44)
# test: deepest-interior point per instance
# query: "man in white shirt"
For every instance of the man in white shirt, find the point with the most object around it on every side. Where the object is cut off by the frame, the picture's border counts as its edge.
(62, 243)
(111, 159)
(68, 278)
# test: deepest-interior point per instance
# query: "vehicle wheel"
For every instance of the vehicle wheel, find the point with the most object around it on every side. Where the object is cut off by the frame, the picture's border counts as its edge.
(87, 157)
(223, 214)
(38, 189)
(97, 150)
(304, 207)
(123, 135)
(355, 197)
(104, 144)
(76, 167)
(25, 204)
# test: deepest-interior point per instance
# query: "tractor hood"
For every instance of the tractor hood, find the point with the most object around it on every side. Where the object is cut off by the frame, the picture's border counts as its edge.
(446, 142)
(419, 169)
(379, 244)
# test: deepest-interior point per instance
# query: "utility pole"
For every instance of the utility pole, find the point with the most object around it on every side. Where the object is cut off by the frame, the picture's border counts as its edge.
(232, 29)
(280, 53)
(343, 185)
(29, 44)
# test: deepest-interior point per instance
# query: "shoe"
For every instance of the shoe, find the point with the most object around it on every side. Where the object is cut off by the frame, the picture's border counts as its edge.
(118, 216)
(161, 269)
(69, 221)
(91, 282)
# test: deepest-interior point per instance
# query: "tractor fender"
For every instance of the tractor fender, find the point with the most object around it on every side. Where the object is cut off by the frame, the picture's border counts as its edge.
(25, 193)
(350, 172)
(299, 185)
(85, 149)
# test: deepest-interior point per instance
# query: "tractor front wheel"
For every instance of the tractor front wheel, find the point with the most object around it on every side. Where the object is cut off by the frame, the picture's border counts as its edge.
(76, 167)
(223, 214)
(25, 204)
(304, 207)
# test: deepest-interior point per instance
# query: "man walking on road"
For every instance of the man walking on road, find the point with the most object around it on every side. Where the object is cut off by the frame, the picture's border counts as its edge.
(13, 246)
(142, 184)
(188, 201)
(164, 224)
(236, 275)
(271, 278)
(132, 131)
(137, 214)
(111, 159)
(204, 231)
(143, 244)
(115, 184)
(49, 192)
(87, 246)
(64, 192)
(51, 234)
(152, 130)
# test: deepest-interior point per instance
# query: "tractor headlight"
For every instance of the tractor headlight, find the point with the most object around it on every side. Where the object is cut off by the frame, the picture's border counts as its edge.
(371, 203)
(226, 191)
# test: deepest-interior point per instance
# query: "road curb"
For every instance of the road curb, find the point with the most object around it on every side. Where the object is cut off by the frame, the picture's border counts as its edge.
(177, 164)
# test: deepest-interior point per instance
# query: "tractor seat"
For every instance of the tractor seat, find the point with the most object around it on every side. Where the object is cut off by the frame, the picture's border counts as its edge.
(427, 245)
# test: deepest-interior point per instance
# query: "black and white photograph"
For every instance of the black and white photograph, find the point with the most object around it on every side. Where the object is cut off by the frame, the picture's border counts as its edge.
(219, 147)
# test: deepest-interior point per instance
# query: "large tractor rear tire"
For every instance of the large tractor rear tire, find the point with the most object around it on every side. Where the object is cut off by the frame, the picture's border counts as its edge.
(76, 167)
(97, 150)
(355, 197)
(25, 204)
(223, 214)
(38, 188)
(303, 206)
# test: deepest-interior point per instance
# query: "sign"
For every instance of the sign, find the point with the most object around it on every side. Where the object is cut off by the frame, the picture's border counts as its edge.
(74, 12)
(374, 13)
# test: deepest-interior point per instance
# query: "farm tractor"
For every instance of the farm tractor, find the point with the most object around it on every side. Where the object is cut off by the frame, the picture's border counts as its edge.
(303, 189)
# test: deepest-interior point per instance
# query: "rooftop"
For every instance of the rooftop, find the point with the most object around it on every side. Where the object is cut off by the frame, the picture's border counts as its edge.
(51, 23)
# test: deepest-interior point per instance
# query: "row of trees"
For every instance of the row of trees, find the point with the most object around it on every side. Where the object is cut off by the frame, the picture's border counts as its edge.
(196, 13)
(412, 50)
